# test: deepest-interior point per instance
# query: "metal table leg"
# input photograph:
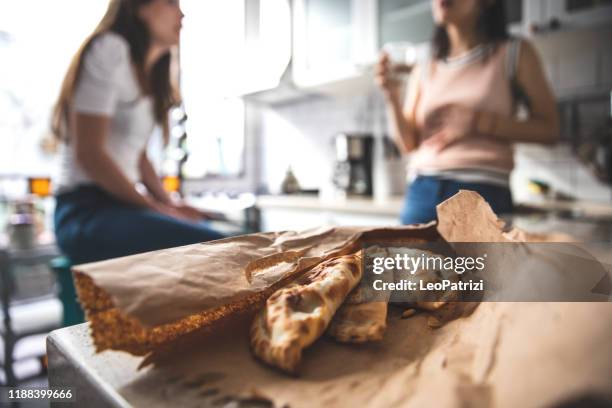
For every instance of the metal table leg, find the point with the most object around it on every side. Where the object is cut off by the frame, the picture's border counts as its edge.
(7, 334)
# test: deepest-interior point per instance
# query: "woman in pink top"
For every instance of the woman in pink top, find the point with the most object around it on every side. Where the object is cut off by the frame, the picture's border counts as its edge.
(459, 119)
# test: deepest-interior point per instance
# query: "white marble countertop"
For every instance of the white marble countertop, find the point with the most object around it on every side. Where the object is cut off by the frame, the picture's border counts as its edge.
(392, 205)
(579, 208)
(357, 205)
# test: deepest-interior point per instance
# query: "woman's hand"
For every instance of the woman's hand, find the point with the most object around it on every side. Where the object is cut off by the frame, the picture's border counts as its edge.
(166, 209)
(174, 210)
(450, 124)
(386, 80)
(183, 211)
(189, 212)
(195, 213)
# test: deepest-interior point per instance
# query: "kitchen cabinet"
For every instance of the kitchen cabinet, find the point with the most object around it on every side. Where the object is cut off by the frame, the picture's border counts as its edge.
(412, 20)
(579, 13)
(281, 213)
(569, 13)
(328, 33)
(337, 40)
(332, 39)
(405, 20)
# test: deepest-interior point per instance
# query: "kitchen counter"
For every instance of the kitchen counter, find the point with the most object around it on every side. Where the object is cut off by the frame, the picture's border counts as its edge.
(392, 206)
(357, 205)
(591, 222)
(584, 209)
(96, 379)
(112, 379)
(301, 212)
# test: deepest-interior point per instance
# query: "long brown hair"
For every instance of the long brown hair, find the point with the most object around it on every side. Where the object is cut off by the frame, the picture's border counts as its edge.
(491, 24)
(122, 18)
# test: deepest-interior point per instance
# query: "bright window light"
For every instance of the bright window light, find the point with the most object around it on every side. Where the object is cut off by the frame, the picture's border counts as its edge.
(37, 40)
(221, 60)
(212, 63)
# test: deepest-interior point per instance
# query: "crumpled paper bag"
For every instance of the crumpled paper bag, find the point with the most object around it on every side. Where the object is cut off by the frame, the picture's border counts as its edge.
(170, 298)
(502, 354)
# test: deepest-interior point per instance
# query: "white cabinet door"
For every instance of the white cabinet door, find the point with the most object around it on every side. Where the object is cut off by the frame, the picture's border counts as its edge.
(412, 20)
(579, 13)
(333, 39)
(405, 20)
(523, 15)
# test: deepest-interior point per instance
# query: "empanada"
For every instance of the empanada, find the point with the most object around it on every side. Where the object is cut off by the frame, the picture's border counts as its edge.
(359, 322)
(295, 316)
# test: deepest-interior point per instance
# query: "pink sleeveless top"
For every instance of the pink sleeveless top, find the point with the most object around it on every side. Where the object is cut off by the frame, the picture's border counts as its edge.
(479, 79)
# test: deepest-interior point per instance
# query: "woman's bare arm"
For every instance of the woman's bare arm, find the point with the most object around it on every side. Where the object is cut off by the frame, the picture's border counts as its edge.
(90, 134)
(151, 180)
(175, 208)
(542, 126)
(401, 116)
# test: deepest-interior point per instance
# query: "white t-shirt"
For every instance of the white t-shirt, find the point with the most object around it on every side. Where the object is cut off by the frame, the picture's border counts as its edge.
(108, 86)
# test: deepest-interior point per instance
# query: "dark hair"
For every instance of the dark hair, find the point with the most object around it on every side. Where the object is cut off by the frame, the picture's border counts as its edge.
(491, 24)
(122, 18)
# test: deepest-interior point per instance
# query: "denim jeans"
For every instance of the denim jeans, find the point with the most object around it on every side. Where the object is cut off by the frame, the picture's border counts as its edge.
(91, 225)
(426, 192)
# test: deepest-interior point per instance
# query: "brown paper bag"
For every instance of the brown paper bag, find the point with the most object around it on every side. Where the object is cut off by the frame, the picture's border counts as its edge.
(141, 302)
(502, 354)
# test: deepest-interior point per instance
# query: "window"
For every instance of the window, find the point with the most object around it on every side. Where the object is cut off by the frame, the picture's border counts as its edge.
(228, 49)
(212, 63)
(579, 5)
(37, 40)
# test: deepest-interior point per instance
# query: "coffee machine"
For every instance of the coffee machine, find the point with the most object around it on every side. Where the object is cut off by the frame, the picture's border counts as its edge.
(353, 163)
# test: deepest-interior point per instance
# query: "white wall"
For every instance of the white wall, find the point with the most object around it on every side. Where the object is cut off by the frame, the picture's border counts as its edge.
(301, 135)
(577, 61)
(558, 167)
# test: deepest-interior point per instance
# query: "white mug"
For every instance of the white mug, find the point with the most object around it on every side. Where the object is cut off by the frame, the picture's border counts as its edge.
(403, 57)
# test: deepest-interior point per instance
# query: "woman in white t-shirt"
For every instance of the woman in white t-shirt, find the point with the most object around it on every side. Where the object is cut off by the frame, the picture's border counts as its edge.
(117, 90)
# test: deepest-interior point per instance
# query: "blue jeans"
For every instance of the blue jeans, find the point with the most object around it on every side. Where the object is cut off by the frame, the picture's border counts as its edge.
(91, 225)
(426, 192)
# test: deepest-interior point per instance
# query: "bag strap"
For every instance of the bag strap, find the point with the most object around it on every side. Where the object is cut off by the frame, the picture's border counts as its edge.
(512, 58)
(512, 65)
(425, 68)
